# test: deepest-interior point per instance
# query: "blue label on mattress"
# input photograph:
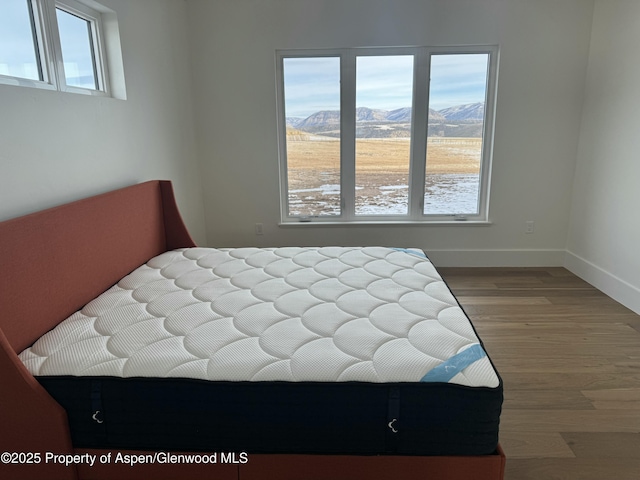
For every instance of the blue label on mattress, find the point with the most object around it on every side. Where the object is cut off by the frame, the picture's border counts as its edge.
(417, 253)
(451, 367)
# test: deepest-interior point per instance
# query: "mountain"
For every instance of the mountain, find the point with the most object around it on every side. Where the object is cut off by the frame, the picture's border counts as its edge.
(472, 111)
(457, 121)
(436, 117)
(331, 118)
(321, 119)
(364, 114)
(402, 115)
(293, 121)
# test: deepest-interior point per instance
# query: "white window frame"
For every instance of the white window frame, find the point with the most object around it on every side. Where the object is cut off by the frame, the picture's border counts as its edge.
(95, 21)
(49, 49)
(419, 132)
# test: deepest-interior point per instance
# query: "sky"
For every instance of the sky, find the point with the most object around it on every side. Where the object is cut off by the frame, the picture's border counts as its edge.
(17, 55)
(17, 50)
(382, 82)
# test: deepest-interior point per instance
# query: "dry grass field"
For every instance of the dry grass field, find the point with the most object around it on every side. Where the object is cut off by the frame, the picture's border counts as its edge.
(313, 162)
(445, 155)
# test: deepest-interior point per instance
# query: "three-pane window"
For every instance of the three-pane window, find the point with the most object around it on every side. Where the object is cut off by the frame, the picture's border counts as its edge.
(398, 134)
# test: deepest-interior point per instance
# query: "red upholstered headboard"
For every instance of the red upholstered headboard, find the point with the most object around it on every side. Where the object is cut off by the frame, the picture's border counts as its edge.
(51, 264)
(55, 261)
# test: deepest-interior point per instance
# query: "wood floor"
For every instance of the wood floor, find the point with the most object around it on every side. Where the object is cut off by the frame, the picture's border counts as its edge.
(569, 357)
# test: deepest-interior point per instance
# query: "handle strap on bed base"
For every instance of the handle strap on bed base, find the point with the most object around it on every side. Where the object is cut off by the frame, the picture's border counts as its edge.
(96, 402)
(97, 420)
(393, 421)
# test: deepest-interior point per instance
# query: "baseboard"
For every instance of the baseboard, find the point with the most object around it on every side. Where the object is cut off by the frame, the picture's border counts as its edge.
(618, 289)
(497, 258)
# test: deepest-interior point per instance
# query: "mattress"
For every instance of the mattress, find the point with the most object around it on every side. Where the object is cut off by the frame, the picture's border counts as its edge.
(332, 350)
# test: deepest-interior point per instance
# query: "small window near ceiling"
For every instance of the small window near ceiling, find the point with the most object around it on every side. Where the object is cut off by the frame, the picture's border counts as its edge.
(78, 50)
(19, 51)
(66, 45)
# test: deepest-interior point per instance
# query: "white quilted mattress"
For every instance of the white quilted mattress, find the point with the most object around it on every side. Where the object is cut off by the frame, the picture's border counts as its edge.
(329, 314)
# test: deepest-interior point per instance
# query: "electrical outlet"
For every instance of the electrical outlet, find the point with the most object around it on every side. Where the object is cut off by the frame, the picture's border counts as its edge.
(528, 226)
(258, 229)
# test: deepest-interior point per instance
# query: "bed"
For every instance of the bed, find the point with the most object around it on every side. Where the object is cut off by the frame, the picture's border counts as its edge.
(284, 373)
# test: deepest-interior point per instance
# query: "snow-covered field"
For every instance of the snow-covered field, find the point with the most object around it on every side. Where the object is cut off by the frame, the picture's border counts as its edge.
(444, 194)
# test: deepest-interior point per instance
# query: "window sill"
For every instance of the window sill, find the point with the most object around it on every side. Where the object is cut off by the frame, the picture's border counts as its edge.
(401, 223)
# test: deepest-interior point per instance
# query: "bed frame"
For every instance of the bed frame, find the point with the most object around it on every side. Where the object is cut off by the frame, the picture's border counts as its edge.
(47, 252)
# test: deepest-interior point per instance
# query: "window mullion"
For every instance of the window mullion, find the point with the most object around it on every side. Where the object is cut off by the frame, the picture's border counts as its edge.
(419, 128)
(52, 42)
(99, 56)
(348, 133)
(46, 33)
(36, 32)
(282, 140)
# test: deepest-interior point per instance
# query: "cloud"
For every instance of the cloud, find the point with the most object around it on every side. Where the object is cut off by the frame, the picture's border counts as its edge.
(383, 82)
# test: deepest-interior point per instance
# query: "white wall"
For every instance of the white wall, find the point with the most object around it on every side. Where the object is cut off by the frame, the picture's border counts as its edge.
(604, 237)
(544, 50)
(56, 147)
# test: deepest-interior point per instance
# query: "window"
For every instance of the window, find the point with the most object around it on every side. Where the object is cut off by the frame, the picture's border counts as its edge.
(55, 44)
(19, 52)
(386, 134)
(78, 49)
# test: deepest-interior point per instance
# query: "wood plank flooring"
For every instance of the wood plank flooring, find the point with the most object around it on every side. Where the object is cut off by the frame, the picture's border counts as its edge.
(569, 357)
